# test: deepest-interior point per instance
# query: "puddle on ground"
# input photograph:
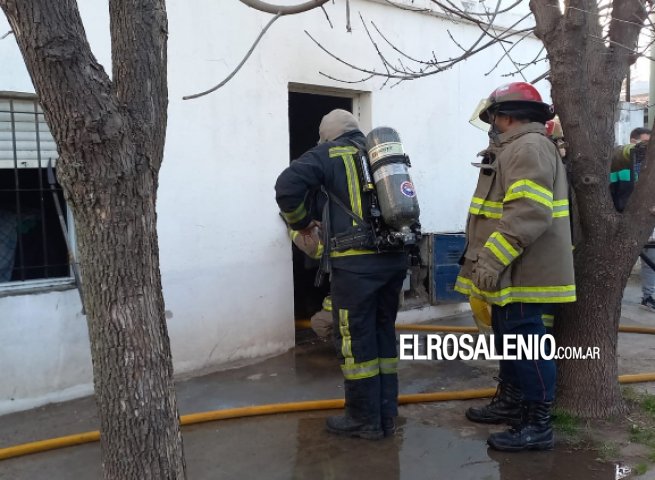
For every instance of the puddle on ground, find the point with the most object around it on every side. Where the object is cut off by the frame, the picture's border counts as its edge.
(297, 447)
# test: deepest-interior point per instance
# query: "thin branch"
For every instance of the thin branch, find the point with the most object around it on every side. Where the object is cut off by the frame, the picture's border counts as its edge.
(243, 61)
(504, 10)
(345, 81)
(405, 7)
(6, 34)
(327, 16)
(283, 9)
(617, 44)
(507, 54)
(397, 49)
(349, 28)
(507, 51)
(541, 77)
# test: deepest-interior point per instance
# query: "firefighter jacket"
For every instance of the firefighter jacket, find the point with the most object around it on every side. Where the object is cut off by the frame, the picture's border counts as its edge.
(518, 222)
(331, 165)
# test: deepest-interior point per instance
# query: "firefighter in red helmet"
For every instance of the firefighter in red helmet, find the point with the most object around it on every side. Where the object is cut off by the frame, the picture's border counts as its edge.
(519, 257)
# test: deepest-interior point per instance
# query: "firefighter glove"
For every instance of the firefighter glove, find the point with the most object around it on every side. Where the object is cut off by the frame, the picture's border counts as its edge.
(485, 275)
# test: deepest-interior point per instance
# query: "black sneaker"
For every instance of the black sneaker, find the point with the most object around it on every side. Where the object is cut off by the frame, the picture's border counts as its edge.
(648, 304)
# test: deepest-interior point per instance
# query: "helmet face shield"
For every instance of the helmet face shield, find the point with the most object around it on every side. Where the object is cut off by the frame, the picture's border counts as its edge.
(475, 119)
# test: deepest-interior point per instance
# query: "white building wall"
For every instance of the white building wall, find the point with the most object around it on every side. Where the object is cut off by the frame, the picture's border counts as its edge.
(225, 257)
(630, 116)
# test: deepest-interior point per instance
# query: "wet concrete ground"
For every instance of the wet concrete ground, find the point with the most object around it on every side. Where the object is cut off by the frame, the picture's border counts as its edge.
(434, 441)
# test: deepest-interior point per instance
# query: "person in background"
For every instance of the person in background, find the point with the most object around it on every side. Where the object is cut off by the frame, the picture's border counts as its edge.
(624, 173)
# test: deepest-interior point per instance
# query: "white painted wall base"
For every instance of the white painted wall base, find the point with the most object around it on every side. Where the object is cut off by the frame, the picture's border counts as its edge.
(20, 404)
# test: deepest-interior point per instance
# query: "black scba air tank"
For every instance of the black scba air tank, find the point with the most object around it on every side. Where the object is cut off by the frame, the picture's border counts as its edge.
(395, 190)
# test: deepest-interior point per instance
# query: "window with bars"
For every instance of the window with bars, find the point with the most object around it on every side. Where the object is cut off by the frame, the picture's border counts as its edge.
(32, 242)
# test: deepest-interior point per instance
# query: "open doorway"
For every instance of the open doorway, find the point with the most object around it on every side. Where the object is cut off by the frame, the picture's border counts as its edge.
(305, 113)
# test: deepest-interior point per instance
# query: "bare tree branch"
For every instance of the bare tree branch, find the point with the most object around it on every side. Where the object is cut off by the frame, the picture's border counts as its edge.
(405, 7)
(472, 14)
(283, 9)
(541, 77)
(327, 16)
(6, 34)
(628, 18)
(348, 27)
(243, 61)
(508, 51)
(547, 15)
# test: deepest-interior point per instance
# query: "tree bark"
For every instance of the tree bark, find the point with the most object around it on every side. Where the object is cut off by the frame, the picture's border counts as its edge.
(110, 138)
(586, 74)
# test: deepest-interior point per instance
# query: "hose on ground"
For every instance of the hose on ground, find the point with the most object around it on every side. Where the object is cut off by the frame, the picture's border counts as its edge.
(307, 406)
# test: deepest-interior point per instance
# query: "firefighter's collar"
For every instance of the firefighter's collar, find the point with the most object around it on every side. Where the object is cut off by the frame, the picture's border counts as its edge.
(532, 127)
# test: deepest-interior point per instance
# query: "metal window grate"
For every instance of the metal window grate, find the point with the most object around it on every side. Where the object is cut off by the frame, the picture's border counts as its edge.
(32, 245)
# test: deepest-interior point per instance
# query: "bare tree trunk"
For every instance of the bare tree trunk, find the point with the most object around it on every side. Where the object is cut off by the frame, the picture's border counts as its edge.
(110, 137)
(586, 75)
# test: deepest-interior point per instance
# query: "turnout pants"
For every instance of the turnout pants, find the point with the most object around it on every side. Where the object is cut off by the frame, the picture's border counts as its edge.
(364, 307)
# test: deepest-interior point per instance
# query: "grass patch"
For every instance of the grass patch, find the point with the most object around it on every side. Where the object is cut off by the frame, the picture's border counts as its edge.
(640, 469)
(566, 423)
(608, 451)
(643, 435)
(643, 400)
(651, 456)
(648, 404)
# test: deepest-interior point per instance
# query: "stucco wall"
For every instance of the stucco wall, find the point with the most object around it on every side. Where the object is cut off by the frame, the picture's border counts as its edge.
(225, 258)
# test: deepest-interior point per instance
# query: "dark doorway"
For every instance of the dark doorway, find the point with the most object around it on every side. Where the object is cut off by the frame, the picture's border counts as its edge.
(305, 113)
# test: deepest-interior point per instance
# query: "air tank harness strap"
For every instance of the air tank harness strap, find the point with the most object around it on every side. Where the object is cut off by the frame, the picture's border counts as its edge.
(358, 237)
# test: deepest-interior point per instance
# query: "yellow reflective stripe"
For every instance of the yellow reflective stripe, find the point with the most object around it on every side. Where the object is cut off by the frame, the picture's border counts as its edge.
(526, 184)
(497, 253)
(298, 214)
(389, 365)
(339, 151)
(501, 248)
(486, 208)
(346, 153)
(327, 304)
(503, 241)
(353, 186)
(358, 371)
(482, 201)
(560, 208)
(546, 294)
(346, 340)
(528, 189)
(547, 319)
(351, 252)
(478, 211)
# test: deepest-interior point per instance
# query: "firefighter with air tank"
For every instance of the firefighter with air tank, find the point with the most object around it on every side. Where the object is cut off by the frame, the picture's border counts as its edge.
(369, 220)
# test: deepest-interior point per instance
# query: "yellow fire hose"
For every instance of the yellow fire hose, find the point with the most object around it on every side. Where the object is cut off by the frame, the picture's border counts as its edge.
(275, 408)
(458, 329)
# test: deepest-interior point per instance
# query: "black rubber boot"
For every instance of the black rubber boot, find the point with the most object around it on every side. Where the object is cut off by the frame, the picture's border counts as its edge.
(351, 427)
(505, 407)
(388, 426)
(534, 433)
